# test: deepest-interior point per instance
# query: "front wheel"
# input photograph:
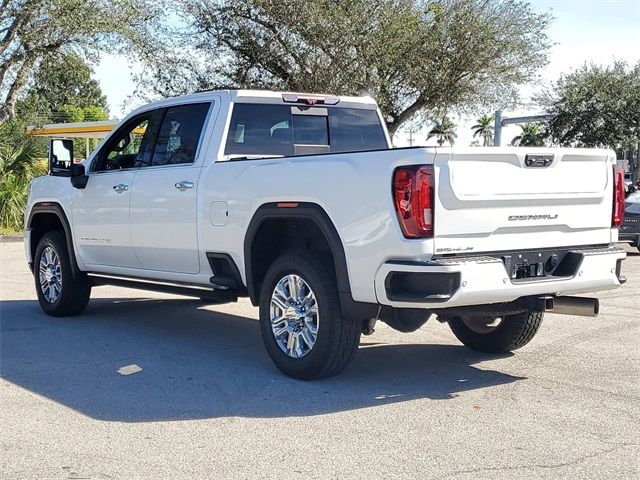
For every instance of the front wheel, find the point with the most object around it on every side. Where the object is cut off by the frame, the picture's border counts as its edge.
(60, 294)
(496, 334)
(300, 319)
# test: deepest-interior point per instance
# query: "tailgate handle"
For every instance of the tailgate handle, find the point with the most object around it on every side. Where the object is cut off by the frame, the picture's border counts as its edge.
(538, 160)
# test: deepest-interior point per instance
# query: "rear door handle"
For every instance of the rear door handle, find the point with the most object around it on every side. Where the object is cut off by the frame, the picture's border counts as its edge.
(121, 187)
(184, 185)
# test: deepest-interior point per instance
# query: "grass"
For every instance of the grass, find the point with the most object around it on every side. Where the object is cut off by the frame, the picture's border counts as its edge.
(10, 232)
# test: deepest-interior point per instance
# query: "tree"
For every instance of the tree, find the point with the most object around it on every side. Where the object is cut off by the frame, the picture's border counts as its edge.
(598, 106)
(65, 79)
(17, 168)
(484, 129)
(35, 31)
(444, 130)
(411, 55)
(532, 135)
(59, 91)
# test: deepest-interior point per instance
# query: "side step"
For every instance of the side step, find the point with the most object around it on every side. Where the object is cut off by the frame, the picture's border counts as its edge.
(213, 295)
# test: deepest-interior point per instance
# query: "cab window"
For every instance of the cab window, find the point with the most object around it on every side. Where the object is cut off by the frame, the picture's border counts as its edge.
(284, 130)
(179, 134)
(132, 145)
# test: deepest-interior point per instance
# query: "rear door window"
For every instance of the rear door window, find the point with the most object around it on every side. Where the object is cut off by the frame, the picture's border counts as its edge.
(284, 130)
(179, 134)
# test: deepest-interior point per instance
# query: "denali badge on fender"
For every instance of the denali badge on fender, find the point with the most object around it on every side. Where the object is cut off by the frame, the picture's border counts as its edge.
(513, 218)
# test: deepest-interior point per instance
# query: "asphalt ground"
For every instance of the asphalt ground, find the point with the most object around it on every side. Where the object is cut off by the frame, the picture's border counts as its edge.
(208, 403)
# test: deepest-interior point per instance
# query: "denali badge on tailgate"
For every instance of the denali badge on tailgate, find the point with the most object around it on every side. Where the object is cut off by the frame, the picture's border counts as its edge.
(513, 218)
(538, 160)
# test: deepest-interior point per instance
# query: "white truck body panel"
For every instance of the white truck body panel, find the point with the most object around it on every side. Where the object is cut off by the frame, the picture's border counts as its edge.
(488, 200)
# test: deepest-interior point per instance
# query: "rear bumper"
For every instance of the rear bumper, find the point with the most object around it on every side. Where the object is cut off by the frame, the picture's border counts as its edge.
(463, 281)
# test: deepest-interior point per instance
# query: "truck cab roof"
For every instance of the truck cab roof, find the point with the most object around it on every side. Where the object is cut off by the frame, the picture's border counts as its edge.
(266, 96)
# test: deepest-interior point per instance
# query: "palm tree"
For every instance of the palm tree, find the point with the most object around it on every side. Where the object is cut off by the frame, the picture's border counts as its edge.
(17, 167)
(532, 136)
(444, 130)
(484, 129)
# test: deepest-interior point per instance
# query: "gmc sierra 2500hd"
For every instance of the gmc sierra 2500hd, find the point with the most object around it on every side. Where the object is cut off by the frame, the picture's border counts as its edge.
(299, 202)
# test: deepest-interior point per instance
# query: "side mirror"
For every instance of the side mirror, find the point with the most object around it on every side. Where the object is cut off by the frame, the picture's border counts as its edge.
(60, 157)
(79, 178)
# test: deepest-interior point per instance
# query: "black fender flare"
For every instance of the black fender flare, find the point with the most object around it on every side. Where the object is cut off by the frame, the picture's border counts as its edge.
(55, 209)
(319, 216)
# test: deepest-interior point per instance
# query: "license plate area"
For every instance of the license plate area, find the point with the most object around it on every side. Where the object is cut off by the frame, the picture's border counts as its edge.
(539, 264)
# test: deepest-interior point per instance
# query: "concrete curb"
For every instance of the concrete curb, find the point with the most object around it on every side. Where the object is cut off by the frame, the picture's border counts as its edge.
(11, 238)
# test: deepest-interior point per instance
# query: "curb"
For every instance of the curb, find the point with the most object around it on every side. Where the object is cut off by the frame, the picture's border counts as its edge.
(11, 238)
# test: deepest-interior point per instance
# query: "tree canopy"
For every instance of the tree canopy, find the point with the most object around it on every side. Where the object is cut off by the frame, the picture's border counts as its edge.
(444, 131)
(33, 31)
(412, 56)
(598, 106)
(532, 135)
(484, 129)
(66, 79)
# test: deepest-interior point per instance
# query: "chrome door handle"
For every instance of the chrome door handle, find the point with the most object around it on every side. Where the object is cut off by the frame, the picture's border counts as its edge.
(184, 185)
(121, 187)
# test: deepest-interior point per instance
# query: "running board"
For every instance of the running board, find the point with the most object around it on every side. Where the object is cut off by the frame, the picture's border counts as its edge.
(216, 296)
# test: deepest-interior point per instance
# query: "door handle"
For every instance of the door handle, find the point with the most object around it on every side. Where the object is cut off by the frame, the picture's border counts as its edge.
(184, 185)
(121, 187)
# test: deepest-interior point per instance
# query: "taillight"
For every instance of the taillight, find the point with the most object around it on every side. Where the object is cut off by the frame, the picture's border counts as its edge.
(413, 199)
(618, 197)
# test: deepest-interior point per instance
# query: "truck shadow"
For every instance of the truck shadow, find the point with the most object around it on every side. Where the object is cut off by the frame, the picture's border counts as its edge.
(198, 363)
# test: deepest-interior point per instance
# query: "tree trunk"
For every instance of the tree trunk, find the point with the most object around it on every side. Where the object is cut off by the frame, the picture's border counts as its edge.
(7, 111)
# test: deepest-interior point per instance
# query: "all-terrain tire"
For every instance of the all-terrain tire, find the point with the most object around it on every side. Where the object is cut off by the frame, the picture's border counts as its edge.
(337, 337)
(514, 332)
(74, 292)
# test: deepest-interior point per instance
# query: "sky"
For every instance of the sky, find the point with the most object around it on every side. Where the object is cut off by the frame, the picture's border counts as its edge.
(584, 31)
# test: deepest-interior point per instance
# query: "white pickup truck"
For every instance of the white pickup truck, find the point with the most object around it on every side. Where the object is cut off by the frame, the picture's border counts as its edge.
(299, 203)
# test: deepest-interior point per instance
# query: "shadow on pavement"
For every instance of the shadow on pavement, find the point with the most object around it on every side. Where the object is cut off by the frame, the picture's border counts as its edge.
(202, 364)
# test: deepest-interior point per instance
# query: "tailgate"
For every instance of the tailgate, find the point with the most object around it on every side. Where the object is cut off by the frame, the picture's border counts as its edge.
(493, 200)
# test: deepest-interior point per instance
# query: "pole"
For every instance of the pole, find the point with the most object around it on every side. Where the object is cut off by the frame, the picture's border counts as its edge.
(497, 131)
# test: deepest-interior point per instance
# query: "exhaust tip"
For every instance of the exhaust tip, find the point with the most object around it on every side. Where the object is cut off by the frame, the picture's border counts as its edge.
(586, 307)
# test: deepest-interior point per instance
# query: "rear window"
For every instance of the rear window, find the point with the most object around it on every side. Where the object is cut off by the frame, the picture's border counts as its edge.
(259, 129)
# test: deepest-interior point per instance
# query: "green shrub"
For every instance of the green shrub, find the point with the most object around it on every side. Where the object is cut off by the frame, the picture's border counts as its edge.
(18, 166)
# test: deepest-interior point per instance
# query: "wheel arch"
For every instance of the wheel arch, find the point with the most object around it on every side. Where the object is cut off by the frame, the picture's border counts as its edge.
(45, 217)
(315, 215)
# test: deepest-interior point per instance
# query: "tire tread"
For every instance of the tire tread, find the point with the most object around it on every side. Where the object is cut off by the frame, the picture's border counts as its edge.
(513, 333)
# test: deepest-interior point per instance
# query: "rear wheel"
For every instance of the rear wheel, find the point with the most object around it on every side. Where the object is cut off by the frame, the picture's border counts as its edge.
(59, 293)
(496, 334)
(301, 321)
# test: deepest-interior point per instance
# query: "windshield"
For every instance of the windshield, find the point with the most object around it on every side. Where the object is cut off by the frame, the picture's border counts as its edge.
(284, 130)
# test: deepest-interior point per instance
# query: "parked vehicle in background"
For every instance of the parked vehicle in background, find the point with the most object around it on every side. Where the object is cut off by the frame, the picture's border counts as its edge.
(299, 202)
(630, 228)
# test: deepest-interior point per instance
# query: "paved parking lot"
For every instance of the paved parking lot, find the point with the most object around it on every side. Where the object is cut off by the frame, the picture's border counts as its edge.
(209, 404)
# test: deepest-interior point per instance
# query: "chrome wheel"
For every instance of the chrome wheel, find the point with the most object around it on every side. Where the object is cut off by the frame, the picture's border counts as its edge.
(50, 275)
(294, 316)
(482, 324)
